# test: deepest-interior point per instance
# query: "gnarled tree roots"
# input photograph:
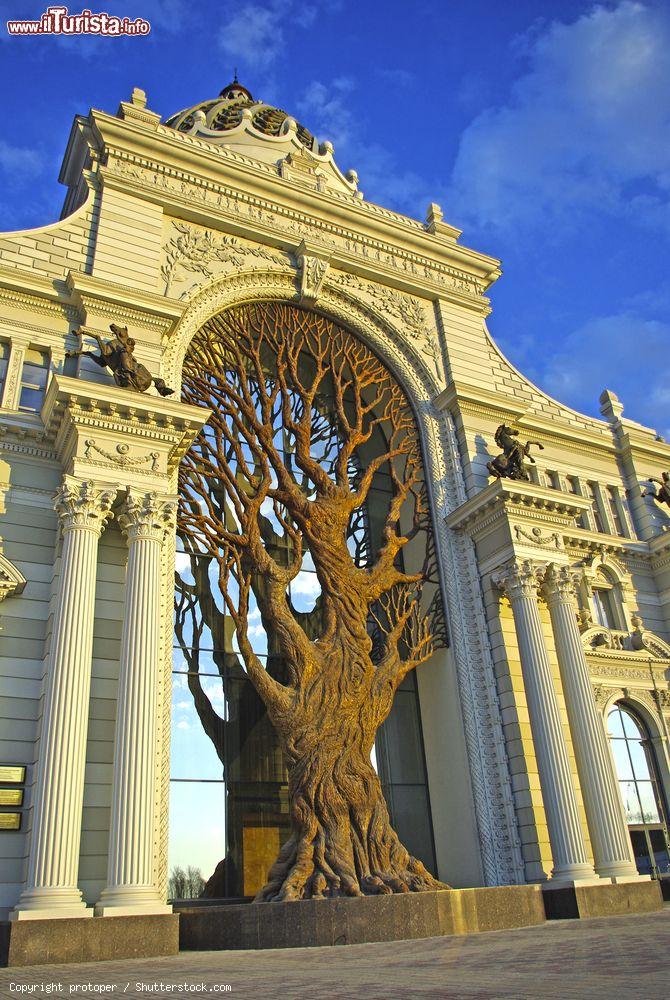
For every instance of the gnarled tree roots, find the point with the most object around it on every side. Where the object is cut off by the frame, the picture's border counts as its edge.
(311, 869)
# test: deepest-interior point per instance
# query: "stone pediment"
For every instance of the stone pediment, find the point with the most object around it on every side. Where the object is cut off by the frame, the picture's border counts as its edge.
(599, 638)
(12, 581)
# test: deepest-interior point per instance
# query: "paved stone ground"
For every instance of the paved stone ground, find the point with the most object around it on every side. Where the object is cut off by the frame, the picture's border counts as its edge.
(615, 958)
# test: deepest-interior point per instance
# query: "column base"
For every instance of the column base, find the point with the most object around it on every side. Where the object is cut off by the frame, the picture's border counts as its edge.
(560, 882)
(130, 901)
(568, 876)
(620, 871)
(624, 879)
(50, 904)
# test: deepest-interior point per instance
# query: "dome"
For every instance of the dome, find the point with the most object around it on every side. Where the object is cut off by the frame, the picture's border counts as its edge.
(211, 119)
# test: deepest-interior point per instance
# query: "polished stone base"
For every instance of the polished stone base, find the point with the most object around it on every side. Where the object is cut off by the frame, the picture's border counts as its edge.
(55, 942)
(315, 922)
(602, 900)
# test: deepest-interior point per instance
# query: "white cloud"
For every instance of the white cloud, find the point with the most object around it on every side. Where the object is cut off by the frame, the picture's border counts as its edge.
(254, 34)
(326, 110)
(183, 724)
(305, 584)
(20, 162)
(622, 352)
(585, 127)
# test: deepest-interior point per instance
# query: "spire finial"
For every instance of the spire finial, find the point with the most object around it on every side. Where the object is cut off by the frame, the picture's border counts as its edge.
(235, 80)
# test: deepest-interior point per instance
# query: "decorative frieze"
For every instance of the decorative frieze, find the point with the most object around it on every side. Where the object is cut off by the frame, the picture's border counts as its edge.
(201, 250)
(536, 537)
(294, 225)
(408, 310)
(121, 458)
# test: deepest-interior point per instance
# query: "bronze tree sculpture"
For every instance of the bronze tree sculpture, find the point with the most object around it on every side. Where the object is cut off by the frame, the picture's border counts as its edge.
(265, 370)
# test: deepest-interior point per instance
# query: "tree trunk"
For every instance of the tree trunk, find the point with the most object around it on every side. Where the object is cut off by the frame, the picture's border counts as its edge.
(342, 842)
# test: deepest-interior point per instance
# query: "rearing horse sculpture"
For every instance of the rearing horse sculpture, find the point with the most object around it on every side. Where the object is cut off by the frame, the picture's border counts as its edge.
(118, 356)
(511, 464)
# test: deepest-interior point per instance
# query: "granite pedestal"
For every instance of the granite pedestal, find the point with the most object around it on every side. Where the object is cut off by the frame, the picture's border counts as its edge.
(87, 939)
(607, 900)
(316, 922)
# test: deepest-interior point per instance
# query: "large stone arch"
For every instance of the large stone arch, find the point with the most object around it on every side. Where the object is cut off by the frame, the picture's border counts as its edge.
(488, 765)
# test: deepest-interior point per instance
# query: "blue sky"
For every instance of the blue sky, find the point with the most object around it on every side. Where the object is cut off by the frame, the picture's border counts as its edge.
(542, 128)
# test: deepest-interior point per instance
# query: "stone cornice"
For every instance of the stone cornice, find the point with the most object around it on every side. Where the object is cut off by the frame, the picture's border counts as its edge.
(118, 301)
(517, 498)
(203, 161)
(25, 290)
(596, 434)
(92, 427)
(581, 541)
(261, 220)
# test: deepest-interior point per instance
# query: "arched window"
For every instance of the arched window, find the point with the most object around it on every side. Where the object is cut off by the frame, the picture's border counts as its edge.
(641, 789)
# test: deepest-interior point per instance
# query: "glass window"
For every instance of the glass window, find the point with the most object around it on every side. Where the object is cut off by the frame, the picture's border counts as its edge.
(4, 361)
(616, 511)
(640, 790)
(592, 494)
(603, 606)
(34, 380)
(554, 481)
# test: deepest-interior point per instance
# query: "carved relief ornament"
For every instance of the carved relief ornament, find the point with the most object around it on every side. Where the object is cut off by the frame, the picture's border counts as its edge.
(293, 224)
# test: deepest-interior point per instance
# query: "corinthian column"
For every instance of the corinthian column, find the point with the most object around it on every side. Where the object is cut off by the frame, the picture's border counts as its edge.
(520, 580)
(51, 886)
(604, 810)
(145, 519)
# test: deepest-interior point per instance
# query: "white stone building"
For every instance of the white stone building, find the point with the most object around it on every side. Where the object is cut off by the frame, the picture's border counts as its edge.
(556, 590)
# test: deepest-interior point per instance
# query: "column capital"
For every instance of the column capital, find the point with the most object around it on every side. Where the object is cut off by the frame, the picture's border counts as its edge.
(519, 577)
(147, 515)
(560, 583)
(84, 504)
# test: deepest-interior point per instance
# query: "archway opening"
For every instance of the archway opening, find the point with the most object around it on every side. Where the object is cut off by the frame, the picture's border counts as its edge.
(641, 789)
(306, 595)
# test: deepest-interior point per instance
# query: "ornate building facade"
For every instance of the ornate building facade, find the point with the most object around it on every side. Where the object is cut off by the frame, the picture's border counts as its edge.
(532, 748)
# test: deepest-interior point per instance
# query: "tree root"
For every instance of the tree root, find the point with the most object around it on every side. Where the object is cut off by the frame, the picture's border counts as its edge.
(302, 871)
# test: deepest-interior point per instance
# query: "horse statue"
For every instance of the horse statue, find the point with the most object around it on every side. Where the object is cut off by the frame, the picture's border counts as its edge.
(661, 495)
(511, 464)
(118, 356)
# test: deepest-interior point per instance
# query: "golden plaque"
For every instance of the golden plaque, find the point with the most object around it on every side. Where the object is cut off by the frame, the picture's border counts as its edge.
(11, 774)
(11, 796)
(10, 821)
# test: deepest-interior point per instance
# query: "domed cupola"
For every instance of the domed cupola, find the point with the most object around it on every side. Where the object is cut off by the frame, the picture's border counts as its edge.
(263, 132)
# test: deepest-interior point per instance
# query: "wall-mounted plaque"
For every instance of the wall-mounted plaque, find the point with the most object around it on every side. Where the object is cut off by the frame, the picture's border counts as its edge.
(11, 796)
(12, 774)
(10, 821)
